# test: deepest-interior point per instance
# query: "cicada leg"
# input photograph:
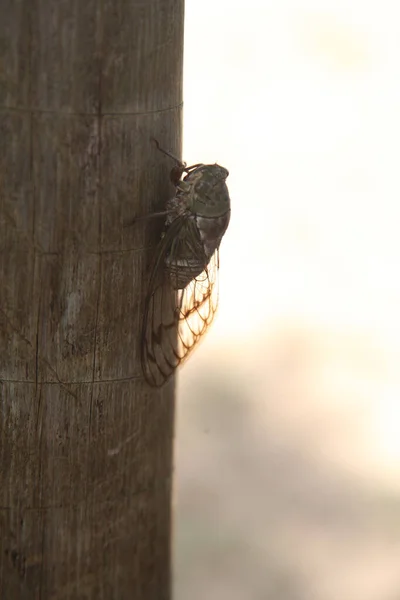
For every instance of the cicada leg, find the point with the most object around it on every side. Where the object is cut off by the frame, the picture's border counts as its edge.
(193, 167)
(156, 215)
(176, 171)
(180, 167)
(179, 163)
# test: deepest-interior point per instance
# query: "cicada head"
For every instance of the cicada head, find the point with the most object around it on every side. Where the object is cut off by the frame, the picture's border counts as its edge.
(209, 195)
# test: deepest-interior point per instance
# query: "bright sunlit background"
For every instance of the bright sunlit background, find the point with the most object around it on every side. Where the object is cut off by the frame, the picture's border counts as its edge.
(287, 481)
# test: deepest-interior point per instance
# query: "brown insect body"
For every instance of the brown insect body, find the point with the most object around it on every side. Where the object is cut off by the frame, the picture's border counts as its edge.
(183, 293)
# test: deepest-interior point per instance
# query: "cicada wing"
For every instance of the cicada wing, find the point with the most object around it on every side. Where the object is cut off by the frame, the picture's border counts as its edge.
(159, 338)
(175, 319)
(198, 303)
(159, 355)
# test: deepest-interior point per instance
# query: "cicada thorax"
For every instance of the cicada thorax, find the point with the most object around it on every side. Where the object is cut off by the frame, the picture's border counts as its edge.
(206, 190)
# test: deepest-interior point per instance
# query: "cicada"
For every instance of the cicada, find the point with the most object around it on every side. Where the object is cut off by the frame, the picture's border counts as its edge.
(182, 293)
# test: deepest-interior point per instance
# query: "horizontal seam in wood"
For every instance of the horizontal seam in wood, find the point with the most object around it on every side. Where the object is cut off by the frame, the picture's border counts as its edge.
(88, 114)
(63, 383)
(41, 253)
(159, 485)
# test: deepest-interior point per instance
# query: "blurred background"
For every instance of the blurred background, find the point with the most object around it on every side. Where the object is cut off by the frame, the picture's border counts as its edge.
(287, 478)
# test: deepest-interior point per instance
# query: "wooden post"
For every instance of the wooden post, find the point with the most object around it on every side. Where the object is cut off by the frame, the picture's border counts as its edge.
(85, 444)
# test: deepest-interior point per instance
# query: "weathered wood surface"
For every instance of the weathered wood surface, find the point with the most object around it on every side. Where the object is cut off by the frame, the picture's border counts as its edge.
(86, 445)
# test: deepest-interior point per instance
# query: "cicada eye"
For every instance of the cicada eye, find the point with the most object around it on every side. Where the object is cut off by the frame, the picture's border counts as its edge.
(222, 173)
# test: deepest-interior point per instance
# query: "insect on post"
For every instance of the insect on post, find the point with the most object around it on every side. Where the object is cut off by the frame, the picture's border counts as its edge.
(182, 293)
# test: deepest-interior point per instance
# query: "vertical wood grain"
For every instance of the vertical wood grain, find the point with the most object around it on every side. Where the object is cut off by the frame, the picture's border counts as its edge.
(85, 444)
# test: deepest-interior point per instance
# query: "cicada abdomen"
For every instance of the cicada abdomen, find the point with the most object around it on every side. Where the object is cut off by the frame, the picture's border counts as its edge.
(182, 295)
